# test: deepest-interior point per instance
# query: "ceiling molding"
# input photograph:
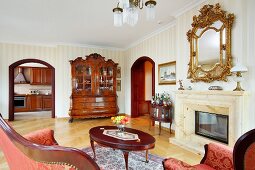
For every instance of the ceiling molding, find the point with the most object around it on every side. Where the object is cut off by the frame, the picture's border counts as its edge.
(92, 46)
(188, 7)
(161, 29)
(29, 44)
(55, 45)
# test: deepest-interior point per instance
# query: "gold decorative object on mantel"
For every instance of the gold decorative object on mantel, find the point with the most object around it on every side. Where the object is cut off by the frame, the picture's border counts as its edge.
(210, 45)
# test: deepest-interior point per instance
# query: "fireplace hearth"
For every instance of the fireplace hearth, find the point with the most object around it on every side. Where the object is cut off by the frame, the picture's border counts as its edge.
(212, 125)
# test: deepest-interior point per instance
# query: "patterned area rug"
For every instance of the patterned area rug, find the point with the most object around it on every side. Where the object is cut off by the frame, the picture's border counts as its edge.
(109, 159)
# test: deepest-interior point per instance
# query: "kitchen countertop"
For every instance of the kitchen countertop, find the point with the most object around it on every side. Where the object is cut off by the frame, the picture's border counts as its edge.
(32, 94)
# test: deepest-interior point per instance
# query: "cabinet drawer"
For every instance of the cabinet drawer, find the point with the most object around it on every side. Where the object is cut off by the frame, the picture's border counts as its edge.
(84, 105)
(93, 99)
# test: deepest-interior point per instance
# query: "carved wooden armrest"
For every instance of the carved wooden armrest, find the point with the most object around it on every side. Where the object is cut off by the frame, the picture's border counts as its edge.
(42, 137)
(174, 164)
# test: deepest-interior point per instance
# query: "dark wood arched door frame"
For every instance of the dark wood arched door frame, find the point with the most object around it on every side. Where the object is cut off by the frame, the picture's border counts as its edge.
(138, 62)
(11, 84)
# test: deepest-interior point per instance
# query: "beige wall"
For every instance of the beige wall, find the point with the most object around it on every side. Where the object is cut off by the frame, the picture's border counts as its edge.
(172, 44)
(160, 48)
(58, 57)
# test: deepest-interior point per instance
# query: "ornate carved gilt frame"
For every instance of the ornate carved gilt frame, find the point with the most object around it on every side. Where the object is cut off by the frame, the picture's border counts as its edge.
(210, 14)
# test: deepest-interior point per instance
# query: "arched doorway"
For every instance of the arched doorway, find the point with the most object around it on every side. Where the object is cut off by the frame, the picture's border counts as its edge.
(11, 84)
(138, 84)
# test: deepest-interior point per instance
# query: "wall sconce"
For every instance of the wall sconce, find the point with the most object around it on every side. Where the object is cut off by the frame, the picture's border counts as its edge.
(238, 70)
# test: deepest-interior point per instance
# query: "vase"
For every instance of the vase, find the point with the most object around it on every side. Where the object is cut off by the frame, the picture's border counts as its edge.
(120, 131)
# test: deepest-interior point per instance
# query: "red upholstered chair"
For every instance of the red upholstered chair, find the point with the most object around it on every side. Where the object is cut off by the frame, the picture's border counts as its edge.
(40, 151)
(217, 156)
(244, 152)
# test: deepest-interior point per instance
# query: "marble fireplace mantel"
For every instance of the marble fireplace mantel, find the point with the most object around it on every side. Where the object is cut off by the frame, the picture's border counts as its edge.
(232, 103)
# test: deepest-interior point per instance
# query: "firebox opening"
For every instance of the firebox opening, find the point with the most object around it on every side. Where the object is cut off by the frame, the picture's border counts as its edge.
(212, 125)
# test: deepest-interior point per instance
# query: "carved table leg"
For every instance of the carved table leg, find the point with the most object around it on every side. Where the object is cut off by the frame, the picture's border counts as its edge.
(93, 148)
(146, 156)
(170, 127)
(125, 153)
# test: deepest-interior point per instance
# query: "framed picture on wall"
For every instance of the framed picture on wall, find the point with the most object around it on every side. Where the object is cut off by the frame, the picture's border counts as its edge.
(118, 85)
(167, 73)
(118, 74)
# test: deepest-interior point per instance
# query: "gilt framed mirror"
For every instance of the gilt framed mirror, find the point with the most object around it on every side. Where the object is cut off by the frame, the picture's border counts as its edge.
(210, 45)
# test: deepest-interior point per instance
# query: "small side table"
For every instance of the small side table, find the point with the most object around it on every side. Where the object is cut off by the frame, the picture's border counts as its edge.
(160, 113)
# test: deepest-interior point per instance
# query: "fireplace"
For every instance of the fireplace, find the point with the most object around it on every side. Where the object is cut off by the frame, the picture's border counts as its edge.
(212, 125)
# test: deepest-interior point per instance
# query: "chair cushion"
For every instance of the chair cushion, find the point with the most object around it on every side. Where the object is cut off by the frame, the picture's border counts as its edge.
(174, 164)
(203, 167)
(219, 157)
(42, 137)
(249, 158)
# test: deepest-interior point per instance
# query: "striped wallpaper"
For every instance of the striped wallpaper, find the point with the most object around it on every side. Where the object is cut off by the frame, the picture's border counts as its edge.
(58, 57)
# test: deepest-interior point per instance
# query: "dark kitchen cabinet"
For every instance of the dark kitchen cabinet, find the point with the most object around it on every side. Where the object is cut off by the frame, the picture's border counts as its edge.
(41, 76)
(36, 76)
(47, 102)
(32, 103)
(46, 76)
(36, 103)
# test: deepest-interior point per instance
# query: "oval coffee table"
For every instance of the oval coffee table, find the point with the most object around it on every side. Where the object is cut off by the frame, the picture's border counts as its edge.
(145, 142)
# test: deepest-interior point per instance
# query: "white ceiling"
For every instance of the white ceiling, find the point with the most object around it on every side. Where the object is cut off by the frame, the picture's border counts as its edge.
(79, 22)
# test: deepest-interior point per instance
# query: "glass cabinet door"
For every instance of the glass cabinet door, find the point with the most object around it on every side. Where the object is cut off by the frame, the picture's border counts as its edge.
(82, 80)
(87, 79)
(78, 77)
(110, 78)
(105, 80)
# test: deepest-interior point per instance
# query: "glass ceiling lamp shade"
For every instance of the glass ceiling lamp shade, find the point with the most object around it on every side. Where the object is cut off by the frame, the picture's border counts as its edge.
(238, 69)
(151, 12)
(124, 3)
(129, 11)
(117, 14)
(131, 16)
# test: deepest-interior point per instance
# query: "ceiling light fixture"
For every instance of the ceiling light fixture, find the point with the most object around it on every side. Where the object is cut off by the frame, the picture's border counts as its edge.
(127, 11)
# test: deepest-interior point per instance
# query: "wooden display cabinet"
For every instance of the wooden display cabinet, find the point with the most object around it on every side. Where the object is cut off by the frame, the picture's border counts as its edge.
(93, 87)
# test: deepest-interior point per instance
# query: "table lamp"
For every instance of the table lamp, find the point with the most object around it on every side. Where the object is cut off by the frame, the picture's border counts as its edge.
(238, 70)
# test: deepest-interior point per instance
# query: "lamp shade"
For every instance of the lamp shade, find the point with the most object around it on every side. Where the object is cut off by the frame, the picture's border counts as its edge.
(239, 68)
(124, 3)
(150, 9)
(117, 14)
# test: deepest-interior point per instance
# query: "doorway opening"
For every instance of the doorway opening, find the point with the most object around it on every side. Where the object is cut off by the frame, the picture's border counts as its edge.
(26, 95)
(142, 85)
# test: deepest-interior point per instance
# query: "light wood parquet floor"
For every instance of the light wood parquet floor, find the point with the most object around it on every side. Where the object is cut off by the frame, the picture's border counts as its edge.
(76, 134)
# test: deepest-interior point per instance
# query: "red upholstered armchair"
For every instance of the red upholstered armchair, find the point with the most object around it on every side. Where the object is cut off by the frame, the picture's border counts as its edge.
(217, 156)
(39, 150)
(220, 157)
(244, 152)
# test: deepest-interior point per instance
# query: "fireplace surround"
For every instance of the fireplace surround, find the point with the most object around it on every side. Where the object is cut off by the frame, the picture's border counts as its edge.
(227, 103)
